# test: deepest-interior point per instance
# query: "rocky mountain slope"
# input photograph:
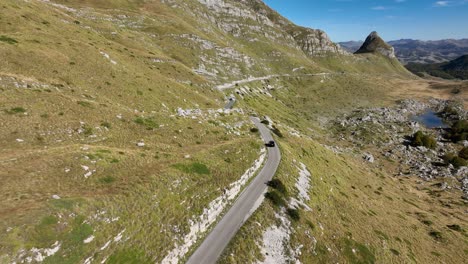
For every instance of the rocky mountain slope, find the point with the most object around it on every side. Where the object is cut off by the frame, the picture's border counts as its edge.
(417, 51)
(116, 147)
(455, 69)
(375, 44)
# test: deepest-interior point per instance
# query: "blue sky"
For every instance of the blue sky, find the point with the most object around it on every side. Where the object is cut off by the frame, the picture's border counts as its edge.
(394, 19)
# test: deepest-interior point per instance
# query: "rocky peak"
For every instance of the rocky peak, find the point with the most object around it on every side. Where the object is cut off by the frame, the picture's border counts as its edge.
(314, 42)
(375, 44)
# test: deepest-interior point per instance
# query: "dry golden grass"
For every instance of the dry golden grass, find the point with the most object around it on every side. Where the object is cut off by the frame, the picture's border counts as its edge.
(424, 89)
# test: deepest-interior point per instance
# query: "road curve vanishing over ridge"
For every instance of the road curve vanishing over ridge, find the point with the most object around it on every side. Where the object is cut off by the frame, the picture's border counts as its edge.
(217, 240)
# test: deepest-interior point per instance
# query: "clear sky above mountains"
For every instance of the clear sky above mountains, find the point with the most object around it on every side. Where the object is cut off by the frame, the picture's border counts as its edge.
(394, 19)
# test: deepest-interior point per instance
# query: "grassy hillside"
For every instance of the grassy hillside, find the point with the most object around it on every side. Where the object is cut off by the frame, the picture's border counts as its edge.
(114, 143)
(358, 212)
(357, 215)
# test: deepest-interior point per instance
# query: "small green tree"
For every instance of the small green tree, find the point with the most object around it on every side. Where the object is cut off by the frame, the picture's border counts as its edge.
(277, 132)
(278, 185)
(455, 160)
(294, 214)
(420, 139)
(417, 138)
(458, 162)
(459, 131)
(463, 153)
(429, 142)
(275, 198)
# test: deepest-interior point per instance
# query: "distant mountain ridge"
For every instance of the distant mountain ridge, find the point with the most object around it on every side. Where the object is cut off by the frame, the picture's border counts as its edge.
(418, 51)
(455, 69)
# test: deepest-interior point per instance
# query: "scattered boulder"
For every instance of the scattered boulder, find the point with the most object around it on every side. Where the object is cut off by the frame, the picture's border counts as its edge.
(369, 158)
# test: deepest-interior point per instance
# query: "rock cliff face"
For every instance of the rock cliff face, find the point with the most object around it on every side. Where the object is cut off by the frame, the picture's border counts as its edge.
(315, 42)
(375, 44)
(242, 18)
(230, 39)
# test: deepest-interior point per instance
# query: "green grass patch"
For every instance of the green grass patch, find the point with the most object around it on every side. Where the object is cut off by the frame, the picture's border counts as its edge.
(8, 40)
(193, 168)
(87, 130)
(436, 235)
(129, 256)
(80, 231)
(67, 204)
(72, 250)
(95, 156)
(381, 235)
(395, 252)
(148, 122)
(107, 180)
(427, 222)
(84, 104)
(455, 228)
(106, 125)
(104, 151)
(45, 232)
(362, 253)
(15, 110)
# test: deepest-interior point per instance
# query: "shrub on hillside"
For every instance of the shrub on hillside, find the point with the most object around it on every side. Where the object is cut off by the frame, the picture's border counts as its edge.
(84, 103)
(275, 198)
(254, 130)
(15, 110)
(106, 124)
(451, 110)
(8, 40)
(294, 214)
(420, 139)
(277, 185)
(148, 122)
(463, 153)
(277, 132)
(455, 160)
(193, 168)
(459, 131)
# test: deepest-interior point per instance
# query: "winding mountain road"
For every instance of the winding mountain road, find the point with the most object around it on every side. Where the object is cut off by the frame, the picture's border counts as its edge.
(215, 243)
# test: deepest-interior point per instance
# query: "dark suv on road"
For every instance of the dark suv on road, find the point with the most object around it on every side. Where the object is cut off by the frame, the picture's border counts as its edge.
(270, 144)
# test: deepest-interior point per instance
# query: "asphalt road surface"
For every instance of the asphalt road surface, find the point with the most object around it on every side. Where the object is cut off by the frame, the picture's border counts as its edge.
(215, 243)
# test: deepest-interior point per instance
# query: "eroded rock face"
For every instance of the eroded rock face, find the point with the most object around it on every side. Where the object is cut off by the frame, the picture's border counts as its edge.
(312, 42)
(374, 43)
(315, 42)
